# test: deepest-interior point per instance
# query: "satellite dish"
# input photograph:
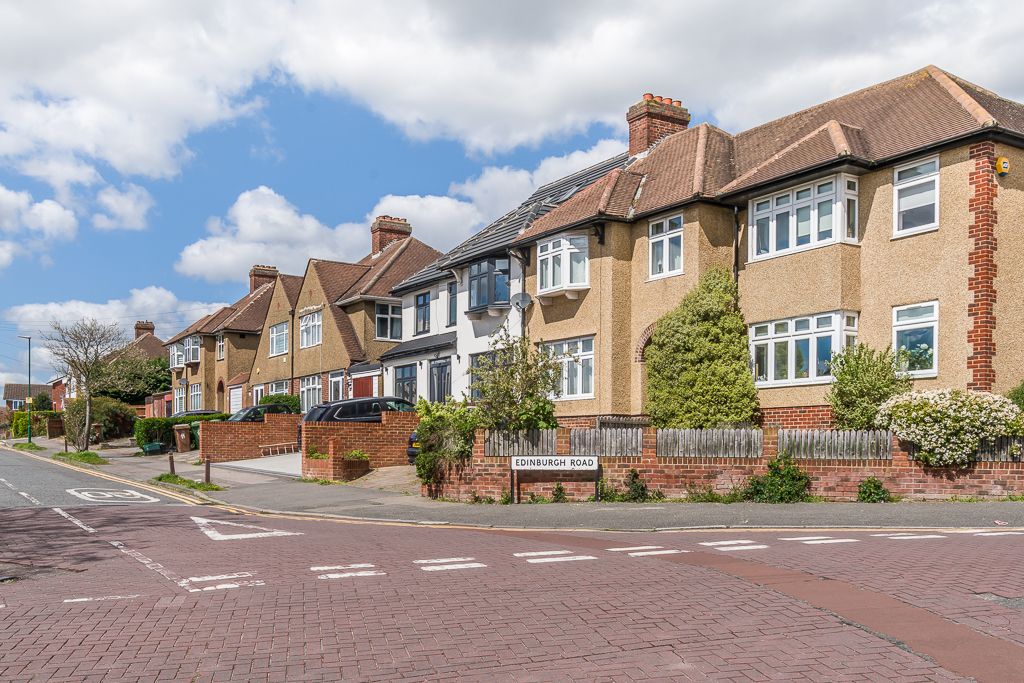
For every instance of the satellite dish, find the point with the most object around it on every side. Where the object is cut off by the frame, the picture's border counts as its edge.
(521, 300)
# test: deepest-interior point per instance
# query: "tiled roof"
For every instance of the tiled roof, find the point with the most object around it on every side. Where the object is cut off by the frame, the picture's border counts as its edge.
(396, 263)
(868, 127)
(19, 392)
(205, 325)
(292, 287)
(240, 378)
(250, 312)
(150, 345)
(497, 236)
(420, 345)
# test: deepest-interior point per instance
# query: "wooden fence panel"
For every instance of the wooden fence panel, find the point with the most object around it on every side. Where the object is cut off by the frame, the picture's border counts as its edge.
(1003, 449)
(710, 443)
(836, 444)
(607, 442)
(526, 442)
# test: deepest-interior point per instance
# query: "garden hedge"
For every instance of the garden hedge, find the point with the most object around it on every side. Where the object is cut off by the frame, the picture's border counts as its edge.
(161, 429)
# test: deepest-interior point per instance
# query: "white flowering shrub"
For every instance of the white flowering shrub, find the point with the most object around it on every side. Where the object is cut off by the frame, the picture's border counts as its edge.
(948, 425)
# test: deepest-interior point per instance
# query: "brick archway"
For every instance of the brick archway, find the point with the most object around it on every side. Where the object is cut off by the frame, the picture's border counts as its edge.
(641, 344)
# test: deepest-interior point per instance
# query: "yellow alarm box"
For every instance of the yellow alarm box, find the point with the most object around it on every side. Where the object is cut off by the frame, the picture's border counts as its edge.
(1002, 166)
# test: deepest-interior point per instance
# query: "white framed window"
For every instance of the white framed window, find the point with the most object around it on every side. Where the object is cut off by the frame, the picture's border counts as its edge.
(666, 246)
(915, 198)
(191, 349)
(389, 321)
(279, 339)
(17, 404)
(220, 347)
(336, 385)
(179, 399)
(563, 263)
(422, 313)
(257, 394)
(177, 356)
(310, 330)
(798, 350)
(195, 396)
(808, 216)
(277, 388)
(915, 333)
(309, 392)
(453, 303)
(577, 358)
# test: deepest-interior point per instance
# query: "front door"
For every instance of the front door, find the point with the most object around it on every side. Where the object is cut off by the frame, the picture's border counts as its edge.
(362, 386)
(337, 384)
(440, 379)
(235, 399)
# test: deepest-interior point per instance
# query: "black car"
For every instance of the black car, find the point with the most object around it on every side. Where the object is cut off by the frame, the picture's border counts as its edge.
(256, 413)
(358, 409)
(413, 449)
(192, 413)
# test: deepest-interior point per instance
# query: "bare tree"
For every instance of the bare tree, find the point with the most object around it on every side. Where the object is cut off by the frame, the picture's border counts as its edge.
(95, 357)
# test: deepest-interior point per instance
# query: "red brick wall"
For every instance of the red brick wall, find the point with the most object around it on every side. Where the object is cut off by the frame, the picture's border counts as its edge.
(335, 467)
(799, 417)
(981, 283)
(577, 422)
(833, 479)
(227, 441)
(385, 442)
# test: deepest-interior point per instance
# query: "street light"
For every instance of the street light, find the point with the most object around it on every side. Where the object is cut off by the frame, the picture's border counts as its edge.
(29, 401)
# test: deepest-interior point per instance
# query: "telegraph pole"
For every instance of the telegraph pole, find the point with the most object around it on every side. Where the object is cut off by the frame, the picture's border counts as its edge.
(29, 400)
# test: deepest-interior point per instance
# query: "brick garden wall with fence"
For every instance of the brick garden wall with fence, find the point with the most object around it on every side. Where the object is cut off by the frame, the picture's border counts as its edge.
(675, 460)
(385, 442)
(228, 441)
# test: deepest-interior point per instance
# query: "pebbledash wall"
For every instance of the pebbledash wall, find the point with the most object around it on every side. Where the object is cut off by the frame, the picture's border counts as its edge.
(227, 441)
(835, 480)
(385, 441)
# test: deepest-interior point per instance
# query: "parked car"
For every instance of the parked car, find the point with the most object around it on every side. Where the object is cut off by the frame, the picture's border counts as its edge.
(257, 413)
(414, 448)
(192, 413)
(358, 409)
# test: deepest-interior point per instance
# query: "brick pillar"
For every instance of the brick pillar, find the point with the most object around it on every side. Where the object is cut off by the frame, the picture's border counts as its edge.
(982, 256)
(562, 441)
(771, 443)
(649, 454)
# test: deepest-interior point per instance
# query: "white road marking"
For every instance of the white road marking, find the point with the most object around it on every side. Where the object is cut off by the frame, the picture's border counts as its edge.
(1001, 533)
(657, 552)
(443, 567)
(112, 496)
(345, 575)
(109, 597)
(340, 566)
(742, 547)
(961, 531)
(261, 532)
(898, 538)
(572, 558)
(222, 577)
(155, 566)
(639, 547)
(74, 521)
(34, 501)
(831, 540)
(718, 543)
(541, 553)
(443, 560)
(902, 533)
(240, 584)
(805, 538)
(8, 484)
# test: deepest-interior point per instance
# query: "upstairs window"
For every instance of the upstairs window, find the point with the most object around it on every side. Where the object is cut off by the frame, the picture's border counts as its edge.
(916, 198)
(915, 330)
(814, 215)
(666, 246)
(563, 263)
(453, 303)
(310, 330)
(389, 321)
(279, 339)
(177, 355)
(423, 313)
(488, 283)
(191, 349)
(798, 350)
(220, 347)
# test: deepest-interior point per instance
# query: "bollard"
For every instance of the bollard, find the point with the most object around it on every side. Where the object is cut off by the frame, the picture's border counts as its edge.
(207, 461)
(170, 458)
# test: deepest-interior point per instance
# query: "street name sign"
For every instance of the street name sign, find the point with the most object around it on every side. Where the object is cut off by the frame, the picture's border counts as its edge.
(554, 462)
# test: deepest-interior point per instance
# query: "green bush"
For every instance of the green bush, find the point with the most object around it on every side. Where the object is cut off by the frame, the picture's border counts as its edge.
(118, 418)
(706, 494)
(313, 454)
(558, 494)
(161, 429)
(287, 399)
(430, 467)
(636, 490)
(506, 498)
(784, 482)
(698, 363)
(1017, 395)
(445, 432)
(19, 422)
(871, 490)
(864, 380)
(358, 454)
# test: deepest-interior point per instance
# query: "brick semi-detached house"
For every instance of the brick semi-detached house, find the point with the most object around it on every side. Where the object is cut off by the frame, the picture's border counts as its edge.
(880, 217)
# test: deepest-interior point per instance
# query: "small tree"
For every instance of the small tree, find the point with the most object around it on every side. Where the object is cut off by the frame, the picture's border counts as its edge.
(515, 382)
(81, 351)
(42, 402)
(698, 363)
(864, 380)
(147, 378)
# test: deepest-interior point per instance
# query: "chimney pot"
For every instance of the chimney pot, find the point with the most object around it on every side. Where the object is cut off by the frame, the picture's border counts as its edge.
(648, 96)
(386, 230)
(677, 103)
(261, 275)
(650, 121)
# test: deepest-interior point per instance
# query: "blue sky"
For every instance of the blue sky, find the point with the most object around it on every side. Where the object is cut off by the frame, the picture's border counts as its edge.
(150, 153)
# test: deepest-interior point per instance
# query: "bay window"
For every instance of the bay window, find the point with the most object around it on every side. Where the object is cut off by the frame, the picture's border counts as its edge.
(179, 399)
(191, 349)
(279, 339)
(195, 396)
(310, 330)
(798, 350)
(309, 392)
(177, 355)
(488, 283)
(915, 330)
(563, 263)
(666, 246)
(916, 198)
(389, 321)
(405, 382)
(814, 215)
(577, 359)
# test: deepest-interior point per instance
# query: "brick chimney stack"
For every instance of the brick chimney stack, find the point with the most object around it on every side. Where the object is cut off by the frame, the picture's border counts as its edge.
(261, 275)
(144, 326)
(653, 118)
(386, 230)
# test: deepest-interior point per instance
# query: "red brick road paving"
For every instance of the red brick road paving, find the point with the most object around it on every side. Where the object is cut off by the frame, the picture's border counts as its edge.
(613, 618)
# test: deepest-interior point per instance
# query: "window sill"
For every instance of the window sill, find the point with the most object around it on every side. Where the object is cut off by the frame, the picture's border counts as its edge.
(275, 355)
(311, 346)
(655, 278)
(494, 311)
(923, 374)
(789, 384)
(587, 397)
(545, 298)
(798, 250)
(385, 339)
(421, 334)
(911, 233)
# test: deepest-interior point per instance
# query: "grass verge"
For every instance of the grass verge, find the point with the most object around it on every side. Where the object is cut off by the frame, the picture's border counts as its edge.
(322, 482)
(169, 478)
(85, 456)
(27, 447)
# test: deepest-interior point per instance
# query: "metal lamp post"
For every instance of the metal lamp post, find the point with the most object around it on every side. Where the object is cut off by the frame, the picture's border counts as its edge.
(29, 401)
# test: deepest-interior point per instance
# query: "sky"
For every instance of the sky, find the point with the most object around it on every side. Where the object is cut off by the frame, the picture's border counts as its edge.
(152, 152)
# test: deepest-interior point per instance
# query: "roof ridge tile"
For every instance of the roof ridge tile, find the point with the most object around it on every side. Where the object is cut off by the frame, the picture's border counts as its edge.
(969, 104)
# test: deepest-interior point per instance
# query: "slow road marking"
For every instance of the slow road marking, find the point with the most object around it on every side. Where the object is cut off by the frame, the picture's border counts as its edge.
(542, 553)
(112, 496)
(657, 552)
(639, 547)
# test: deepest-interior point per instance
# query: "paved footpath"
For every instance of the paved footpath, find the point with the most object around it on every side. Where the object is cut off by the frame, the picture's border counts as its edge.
(197, 594)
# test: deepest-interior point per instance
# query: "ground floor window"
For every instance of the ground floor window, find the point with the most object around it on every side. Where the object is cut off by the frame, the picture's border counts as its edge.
(277, 388)
(915, 330)
(257, 394)
(179, 399)
(195, 397)
(405, 382)
(799, 350)
(309, 392)
(337, 386)
(577, 358)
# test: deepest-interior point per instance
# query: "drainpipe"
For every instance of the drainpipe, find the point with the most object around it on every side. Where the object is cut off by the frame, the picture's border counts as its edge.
(291, 352)
(736, 244)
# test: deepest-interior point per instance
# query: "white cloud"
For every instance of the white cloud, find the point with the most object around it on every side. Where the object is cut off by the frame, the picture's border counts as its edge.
(126, 209)
(124, 84)
(32, 226)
